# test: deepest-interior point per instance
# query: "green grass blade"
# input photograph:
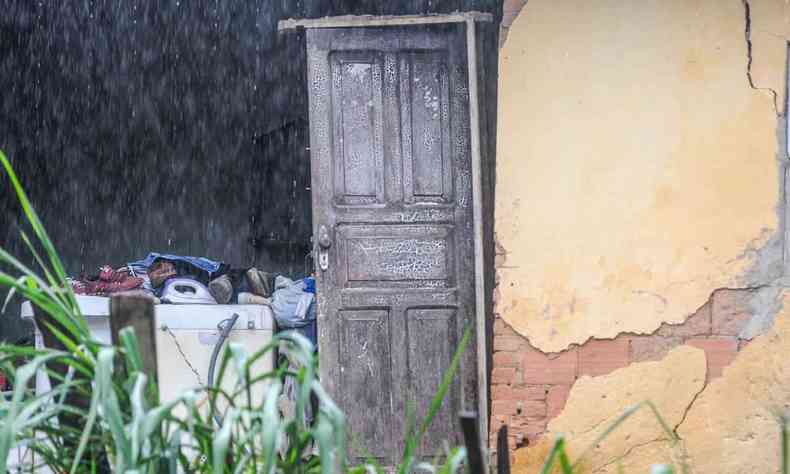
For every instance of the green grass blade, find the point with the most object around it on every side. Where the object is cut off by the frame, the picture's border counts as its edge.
(337, 418)
(35, 223)
(111, 410)
(10, 425)
(221, 443)
(136, 425)
(455, 460)
(785, 440)
(37, 257)
(91, 420)
(42, 296)
(11, 293)
(557, 454)
(128, 339)
(270, 432)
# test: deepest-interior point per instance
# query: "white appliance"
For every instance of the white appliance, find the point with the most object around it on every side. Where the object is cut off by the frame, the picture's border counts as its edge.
(185, 338)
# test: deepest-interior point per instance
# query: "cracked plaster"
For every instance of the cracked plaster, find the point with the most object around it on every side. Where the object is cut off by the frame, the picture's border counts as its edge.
(637, 166)
(595, 403)
(731, 427)
(726, 426)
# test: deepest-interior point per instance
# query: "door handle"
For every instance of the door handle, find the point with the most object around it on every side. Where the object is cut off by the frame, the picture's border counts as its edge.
(324, 244)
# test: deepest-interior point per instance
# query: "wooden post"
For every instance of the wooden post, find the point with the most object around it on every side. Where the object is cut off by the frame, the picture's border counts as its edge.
(502, 452)
(136, 311)
(474, 450)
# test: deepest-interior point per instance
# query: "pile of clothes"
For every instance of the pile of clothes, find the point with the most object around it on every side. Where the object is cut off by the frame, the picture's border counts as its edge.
(181, 280)
(175, 279)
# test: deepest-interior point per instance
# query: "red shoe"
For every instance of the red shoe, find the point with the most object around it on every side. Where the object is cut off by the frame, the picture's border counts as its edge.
(130, 283)
(106, 273)
(102, 288)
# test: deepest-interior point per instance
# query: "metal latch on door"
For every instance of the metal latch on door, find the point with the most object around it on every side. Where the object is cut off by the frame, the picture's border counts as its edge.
(324, 243)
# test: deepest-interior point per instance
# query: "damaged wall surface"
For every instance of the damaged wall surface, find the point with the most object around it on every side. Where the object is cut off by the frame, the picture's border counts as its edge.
(637, 167)
(727, 425)
(640, 217)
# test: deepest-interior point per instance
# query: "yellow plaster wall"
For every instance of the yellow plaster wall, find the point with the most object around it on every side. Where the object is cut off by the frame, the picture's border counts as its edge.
(636, 166)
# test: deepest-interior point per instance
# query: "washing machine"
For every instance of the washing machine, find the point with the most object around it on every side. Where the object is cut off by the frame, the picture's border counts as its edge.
(186, 335)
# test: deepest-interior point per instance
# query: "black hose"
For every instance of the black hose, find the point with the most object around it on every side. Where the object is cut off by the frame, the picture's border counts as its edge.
(225, 332)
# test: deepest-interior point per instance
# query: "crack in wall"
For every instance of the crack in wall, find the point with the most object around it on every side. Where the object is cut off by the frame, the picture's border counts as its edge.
(749, 58)
(689, 407)
(554, 374)
(763, 311)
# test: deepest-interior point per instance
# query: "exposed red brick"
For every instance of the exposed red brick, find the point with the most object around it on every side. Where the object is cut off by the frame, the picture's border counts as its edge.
(719, 351)
(500, 391)
(655, 347)
(505, 407)
(506, 359)
(501, 328)
(530, 392)
(531, 409)
(538, 368)
(599, 357)
(698, 324)
(510, 343)
(731, 311)
(504, 375)
(506, 392)
(555, 401)
(497, 421)
(529, 387)
(529, 428)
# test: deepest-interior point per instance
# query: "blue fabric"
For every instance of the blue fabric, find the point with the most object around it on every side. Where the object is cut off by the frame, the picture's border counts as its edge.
(209, 266)
(309, 285)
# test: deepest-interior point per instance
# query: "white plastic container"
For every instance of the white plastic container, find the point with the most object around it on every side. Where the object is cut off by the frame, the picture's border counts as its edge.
(185, 339)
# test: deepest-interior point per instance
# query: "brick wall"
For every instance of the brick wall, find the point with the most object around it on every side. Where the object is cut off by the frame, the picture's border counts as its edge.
(529, 387)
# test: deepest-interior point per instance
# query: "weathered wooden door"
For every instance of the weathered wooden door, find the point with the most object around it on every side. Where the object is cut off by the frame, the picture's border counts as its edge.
(392, 212)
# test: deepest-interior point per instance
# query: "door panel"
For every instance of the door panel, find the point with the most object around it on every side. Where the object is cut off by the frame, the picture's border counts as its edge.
(364, 354)
(391, 174)
(432, 339)
(395, 256)
(357, 114)
(425, 116)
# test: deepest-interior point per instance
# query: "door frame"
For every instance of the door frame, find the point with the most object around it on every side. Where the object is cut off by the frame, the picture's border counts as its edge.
(469, 19)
